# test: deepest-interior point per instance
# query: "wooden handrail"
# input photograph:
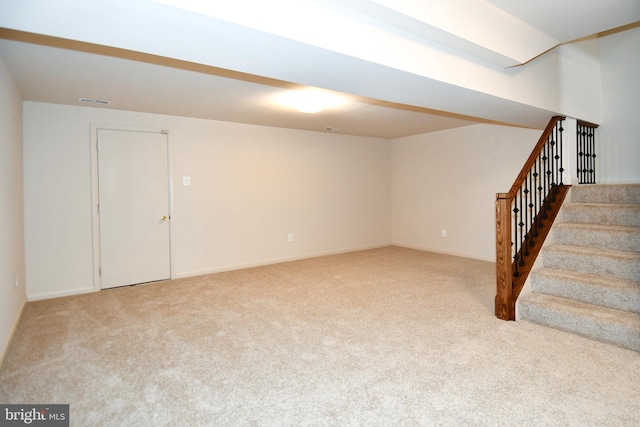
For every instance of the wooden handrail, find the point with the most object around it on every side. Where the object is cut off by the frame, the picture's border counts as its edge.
(532, 158)
(587, 124)
(512, 271)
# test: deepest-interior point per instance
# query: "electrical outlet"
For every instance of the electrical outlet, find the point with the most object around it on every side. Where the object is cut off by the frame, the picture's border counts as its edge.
(290, 237)
(443, 233)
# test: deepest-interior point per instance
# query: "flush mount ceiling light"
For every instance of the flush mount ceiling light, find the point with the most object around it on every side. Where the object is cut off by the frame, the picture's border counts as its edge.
(310, 101)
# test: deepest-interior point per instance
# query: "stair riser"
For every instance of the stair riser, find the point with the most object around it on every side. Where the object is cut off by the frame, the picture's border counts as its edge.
(590, 283)
(606, 239)
(625, 298)
(616, 334)
(623, 268)
(626, 194)
(626, 215)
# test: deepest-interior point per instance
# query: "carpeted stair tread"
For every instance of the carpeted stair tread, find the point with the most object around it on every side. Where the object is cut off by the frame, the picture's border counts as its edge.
(590, 280)
(616, 237)
(605, 262)
(601, 213)
(619, 294)
(606, 193)
(617, 327)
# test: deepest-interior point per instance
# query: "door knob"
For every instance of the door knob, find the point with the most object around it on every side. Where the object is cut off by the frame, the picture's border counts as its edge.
(163, 218)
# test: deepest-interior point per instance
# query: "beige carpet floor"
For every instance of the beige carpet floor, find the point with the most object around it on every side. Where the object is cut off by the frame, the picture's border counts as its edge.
(385, 337)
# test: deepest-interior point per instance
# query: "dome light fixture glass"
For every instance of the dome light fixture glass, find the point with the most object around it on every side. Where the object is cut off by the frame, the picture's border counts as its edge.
(311, 101)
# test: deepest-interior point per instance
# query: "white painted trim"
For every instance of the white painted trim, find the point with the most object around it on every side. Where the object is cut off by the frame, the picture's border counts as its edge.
(60, 294)
(172, 229)
(95, 224)
(7, 344)
(438, 251)
(97, 286)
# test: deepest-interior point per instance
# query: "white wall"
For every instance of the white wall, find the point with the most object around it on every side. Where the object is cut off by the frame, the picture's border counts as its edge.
(12, 264)
(579, 80)
(250, 187)
(618, 143)
(448, 180)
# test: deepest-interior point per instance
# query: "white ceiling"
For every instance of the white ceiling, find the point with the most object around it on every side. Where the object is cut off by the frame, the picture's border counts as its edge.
(567, 20)
(62, 76)
(49, 67)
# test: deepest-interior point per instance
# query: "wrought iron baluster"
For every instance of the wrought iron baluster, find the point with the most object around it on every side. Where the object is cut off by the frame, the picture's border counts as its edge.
(516, 240)
(545, 186)
(556, 158)
(550, 165)
(532, 205)
(528, 198)
(586, 153)
(592, 150)
(527, 218)
(585, 156)
(559, 139)
(580, 154)
(588, 165)
(521, 225)
(538, 188)
(537, 168)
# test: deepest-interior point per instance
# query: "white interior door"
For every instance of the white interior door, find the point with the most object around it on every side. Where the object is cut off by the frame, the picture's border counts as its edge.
(133, 192)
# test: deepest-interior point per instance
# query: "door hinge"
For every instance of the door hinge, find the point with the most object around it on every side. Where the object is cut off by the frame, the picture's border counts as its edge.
(100, 271)
(98, 208)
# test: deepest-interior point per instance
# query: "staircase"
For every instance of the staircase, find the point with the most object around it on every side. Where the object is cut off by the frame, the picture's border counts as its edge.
(590, 280)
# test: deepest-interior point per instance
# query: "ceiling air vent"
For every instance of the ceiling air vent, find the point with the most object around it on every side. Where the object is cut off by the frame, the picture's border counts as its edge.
(95, 101)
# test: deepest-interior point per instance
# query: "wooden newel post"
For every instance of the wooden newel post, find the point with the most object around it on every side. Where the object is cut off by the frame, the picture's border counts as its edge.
(505, 307)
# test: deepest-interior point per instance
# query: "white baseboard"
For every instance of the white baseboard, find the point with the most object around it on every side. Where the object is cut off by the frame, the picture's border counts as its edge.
(273, 261)
(60, 294)
(241, 266)
(5, 348)
(437, 251)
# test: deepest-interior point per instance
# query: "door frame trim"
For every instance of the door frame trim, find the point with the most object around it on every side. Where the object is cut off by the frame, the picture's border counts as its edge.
(97, 282)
